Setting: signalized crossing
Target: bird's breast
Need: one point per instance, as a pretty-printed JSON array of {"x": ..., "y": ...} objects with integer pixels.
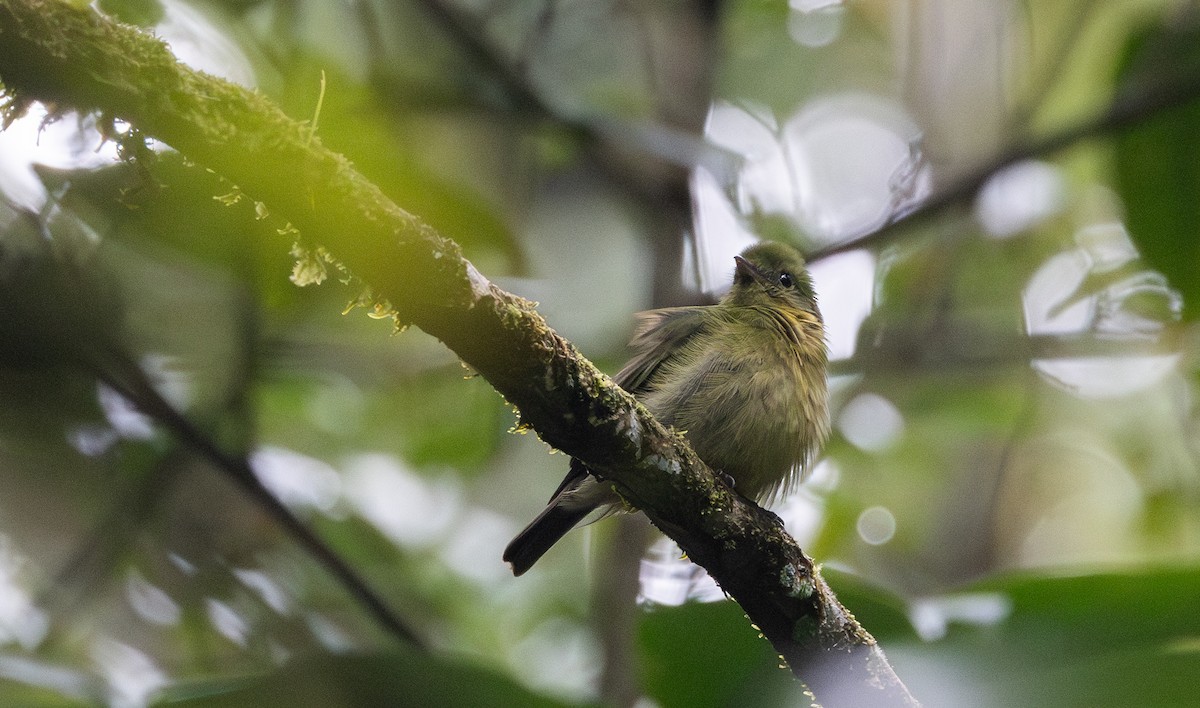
[{"x": 751, "y": 401}]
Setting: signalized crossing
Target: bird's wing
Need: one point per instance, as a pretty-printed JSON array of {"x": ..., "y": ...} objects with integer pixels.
[{"x": 659, "y": 336}]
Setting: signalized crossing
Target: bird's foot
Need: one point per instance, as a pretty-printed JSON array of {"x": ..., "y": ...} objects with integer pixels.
[
  {"x": 774, "y": 517},
  {"x": 731, "y": 483}
]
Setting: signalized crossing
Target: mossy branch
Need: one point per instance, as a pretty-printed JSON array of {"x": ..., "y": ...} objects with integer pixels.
[{"x": 72, "y": 57}]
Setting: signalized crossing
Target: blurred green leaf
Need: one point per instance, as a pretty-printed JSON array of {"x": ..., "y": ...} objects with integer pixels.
[
  {"x": 33, "y": 696},
  {"x": 1033, "y": 640},
  {"x": 409, "y": 158},
  {"x": 432, "y": 418},
  {"x": 1104, "y": 613},
  {"x": 57, "y": 302},
  {"x": 445, "y": 420},
  {"x": 143, "y": 13},
  {"x": 708, "y": 654},
  {"x": 882, "y": 612},
  {"x": 165, "y": 202},
  {"x": 1158, "y": 160},
  {"x": 397, "y": 678}
]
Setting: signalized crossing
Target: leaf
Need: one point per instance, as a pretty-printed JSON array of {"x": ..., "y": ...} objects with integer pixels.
[
  {"x": 166, "y": 204},
  {"x": 57, "y": 304},
  {"x": 143, "y": 13},
  {"x": 708, "y": 654},
  {"x": 1047, "y": 641},
  {"x": 416, "y": 164},
  {"x": 1158, "y": 160},
  {"x": 396, "y": 678},
  {"x": 35, "y": 696}
]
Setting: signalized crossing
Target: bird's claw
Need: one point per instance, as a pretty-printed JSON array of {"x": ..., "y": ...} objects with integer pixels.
[
  {"x": 731, "y": 483},
  {"x": 774, "y": 517}
]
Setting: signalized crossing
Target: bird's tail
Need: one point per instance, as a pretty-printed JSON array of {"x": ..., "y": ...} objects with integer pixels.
[{"x": 543, "y": 532}]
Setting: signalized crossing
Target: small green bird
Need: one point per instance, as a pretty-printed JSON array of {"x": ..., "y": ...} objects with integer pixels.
[{"x": 744, "y": 379}]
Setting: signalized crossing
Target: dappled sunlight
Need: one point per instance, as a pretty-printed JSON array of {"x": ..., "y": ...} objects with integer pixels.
[
  {"x": 91, "y": 439},
  {"x": 870, "y": 422},
  {"x": 408, "y": 509},
  {"x": 931, "y": 617},
  {"x": 227, "y": 621},
  {"x": 876, "y": 525},
  {"x": 845, "y": 294},
  {"x": 476, "y": 540},
  {"x": 331, "y": 635},
  {"x": 668, "y": 578},
  {"x": 839, "y": 166},
  {"x": 1020, "y": 197},
  {"x": 854, "y": 161},
  {"x": 21, "y": 622},
  {"x": 561, "y": 658},
  {"x": 72, "y": 142},
  {"x": 296, "y": 479},
  {"x": 815, "y": 23},
  {"x": 803, "y": 512},
  {"x": 132, "y": 676},
  {"x": 150, "y": 602},
  {"x": 266, "y": 587},
  {"x": 1099, "y": 287},
  {"x": 203, "y": 42}
]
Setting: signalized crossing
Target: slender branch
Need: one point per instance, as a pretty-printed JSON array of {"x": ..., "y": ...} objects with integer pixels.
[
  {"x": 649, "y": 163},
  {"x": 1127, "y": 109},
  {"x": 101, "y": 547},
  {"x": 974, "y": 348},
  {"x": 69, "y": 56},
  {"x": 471, "y": 39},
  {"x": 60, "y": 309},
  {"x": 651, "y": 174},
  {"x": 123, "y": 376}
]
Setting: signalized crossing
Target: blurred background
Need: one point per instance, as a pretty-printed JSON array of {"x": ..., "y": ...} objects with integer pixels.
[{"x": 1000, "y": 201}]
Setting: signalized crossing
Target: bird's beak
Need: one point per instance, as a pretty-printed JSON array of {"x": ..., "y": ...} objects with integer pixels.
[{"x": 746, "y": 269}]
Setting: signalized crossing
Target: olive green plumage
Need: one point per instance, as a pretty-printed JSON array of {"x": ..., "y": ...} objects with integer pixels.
[{"x": 743, "y": 379}]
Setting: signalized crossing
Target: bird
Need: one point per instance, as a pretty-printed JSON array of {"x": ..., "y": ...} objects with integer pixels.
[{"x": 744, "y": 380}]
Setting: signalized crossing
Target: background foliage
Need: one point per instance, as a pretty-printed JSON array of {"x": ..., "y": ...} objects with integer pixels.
[{"x": 1010, "y": 500}]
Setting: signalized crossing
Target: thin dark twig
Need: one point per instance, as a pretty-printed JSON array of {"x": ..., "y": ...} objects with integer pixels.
[
  {"x": 661, "y": 187},
  {"x": 132, "y": 385},
  {"x": 535, "y": 39},
  {"x": 102, "y": 546},
  {"x": 1126, "y": 110},
  {"x": 592, "y": 134},
  {"x": 470, "y": 39}
]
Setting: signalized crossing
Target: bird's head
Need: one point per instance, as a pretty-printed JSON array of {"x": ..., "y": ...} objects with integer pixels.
[{"x": 772, "y": 274}]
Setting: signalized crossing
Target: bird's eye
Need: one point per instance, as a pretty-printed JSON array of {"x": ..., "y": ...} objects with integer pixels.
[{"x": 785, "y": 279}]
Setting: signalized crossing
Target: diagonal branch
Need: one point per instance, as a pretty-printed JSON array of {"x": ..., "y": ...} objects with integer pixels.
[
  {"x": 127, "y": 379},
  {"x": 1127, "y": 109},
  {"x": 471, "y": 39},
  {"x": 68, "y": 56},
  {"x": 59, "y": 308}
]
